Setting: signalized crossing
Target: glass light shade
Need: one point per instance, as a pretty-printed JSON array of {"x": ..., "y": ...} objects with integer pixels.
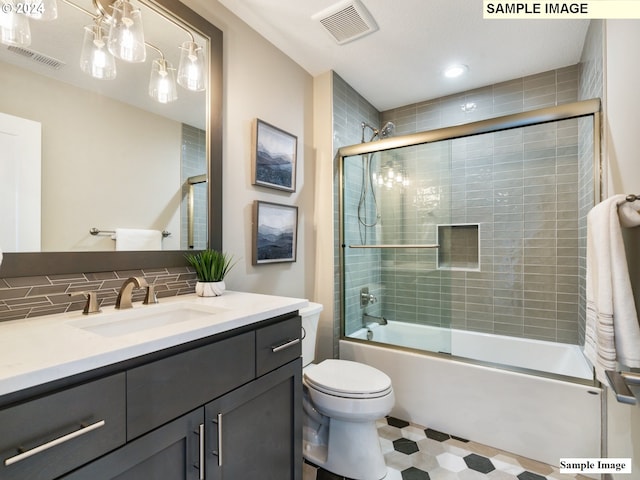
[
  {"x": 14, "y": 29},
  {"x": 43, "y": 9},
  {"x": 162, "y": 85},
  {"x": 95, "y": 58},
  {"x": 192, "y": 72},
  {"x": 126, "y": 36}
]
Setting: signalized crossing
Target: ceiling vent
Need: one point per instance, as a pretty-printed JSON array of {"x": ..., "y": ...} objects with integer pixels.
[
  {"x": 346, "y": 21},
  {"x": 37, "y": 57}
]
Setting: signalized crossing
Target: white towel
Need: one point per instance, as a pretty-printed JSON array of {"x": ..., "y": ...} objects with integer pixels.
[
  {"x": 138, "y": 239},
  {"x": 612, "y": 332}
]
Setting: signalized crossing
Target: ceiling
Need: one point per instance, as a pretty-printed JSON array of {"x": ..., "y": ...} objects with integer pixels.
[{"x": 402, "y": 62}]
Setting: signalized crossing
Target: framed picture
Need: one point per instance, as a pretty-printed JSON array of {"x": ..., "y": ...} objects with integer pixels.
[
  {"x": 275, "y": 233},
  {"x": 275, "y": 157}
]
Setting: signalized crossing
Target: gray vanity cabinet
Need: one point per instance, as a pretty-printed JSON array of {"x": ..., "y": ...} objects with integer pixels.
[
  {"x": 257, "y": 434},
  {"x": 47, "y": 436},
  {"x": 171, "y": 452},
  {"x": 229, "y": 409}
]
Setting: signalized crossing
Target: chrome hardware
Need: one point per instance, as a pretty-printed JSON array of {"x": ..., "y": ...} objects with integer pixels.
[
  {"x": 285, "y": 345},
  {"x": 366, "y": 298},
  {"x": 219, "y": 453},
  {"x": 202, "y": 451},
  {"x": 46, "y": 446},
  {"x": 126, "y": 291},
  {"x": 620, "y": 382},
  {"x": 92, "y": 302}
]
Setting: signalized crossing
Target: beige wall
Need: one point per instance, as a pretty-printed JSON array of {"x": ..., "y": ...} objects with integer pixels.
[
  {"x": 622, "y": 157},
  {"x": 261, "y": 82},
  {"x": 88, "y": 178},
  {"x": 323, "y": 221}
]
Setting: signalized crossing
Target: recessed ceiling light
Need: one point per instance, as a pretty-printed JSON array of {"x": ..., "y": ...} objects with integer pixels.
[{"x": 454, "y": 71}]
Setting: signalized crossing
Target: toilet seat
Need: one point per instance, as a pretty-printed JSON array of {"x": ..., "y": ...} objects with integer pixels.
[{"x": 347, "y": 379}]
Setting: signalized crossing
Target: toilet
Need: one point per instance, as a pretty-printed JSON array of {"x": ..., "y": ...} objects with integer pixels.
[{"x": 342, "y": 401}]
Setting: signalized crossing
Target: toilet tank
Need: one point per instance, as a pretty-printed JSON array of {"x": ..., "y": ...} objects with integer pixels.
[{"x": 310, "y": 317}]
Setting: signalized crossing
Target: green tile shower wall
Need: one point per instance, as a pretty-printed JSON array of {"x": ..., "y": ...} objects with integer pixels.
[
  {"x": 349, "y": 111},
  {"x": 478, "y": 300},
  {"x": 519, "y": 186}
]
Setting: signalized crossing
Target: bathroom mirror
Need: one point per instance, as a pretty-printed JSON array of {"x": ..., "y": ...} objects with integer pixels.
[{"x": 138, "y": 167}]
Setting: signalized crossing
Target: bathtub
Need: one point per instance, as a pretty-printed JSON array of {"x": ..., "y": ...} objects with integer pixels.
[{"x": 543, "y": 406}]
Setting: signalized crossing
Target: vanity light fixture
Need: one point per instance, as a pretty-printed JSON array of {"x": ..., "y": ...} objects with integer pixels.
[
  {"x": 14, "y": 27},
  {"x": 162, "y": 84},
  {"x": 454, "y": 71},
  {"x": 95, "y": 58},
  {"x": 14, "y": 19},
  {"x": 126, "y": 35},
  {"x": 192, "y": 73}
]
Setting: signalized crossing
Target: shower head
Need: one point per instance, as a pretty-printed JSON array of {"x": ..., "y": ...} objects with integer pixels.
[{"x": 386, "y": 131}]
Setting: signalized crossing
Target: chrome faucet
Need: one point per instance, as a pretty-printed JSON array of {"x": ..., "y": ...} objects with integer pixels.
[{"x": 126, "y": 292}]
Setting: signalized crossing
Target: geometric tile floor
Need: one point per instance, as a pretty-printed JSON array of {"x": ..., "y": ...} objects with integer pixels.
[{"x": 413, "y": 452}]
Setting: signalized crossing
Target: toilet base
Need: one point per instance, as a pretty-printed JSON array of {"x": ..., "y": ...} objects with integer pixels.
[{"x": 353, "y": 451}]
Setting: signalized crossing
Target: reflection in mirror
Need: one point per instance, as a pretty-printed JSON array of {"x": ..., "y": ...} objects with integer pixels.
[{"x": 121, "y": 139}]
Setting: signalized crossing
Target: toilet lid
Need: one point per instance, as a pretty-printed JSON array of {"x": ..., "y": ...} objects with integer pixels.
[{"x": 348, "y": 379}]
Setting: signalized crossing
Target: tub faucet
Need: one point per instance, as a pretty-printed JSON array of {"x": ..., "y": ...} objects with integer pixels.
[
  {"x": 366, "y": 319},
  {"x": 126, "y": 292}
]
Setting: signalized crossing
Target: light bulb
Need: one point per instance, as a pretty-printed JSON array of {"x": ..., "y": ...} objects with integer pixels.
[
  {"x": 95, "y": 59},
  {"x": 192, "y": 67},
  {"x": 126, "y": 36}
]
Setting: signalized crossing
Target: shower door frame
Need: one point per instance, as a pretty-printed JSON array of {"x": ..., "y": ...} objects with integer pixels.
[{"x": 566, "y": 111}]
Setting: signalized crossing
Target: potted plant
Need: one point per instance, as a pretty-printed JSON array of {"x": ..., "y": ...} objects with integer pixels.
[{"x": 211, "y": 267}]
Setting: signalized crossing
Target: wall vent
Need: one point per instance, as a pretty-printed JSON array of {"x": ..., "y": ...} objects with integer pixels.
[
  {"x": 346, "y": 21},
  {"x": 37, "y": 57}
]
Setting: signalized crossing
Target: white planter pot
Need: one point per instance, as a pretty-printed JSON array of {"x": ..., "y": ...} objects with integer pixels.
[{"x": 210, "y": 289}]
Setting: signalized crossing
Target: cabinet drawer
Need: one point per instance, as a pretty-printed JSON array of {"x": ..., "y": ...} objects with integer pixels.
[
  {"x": 278, "y": 344},
  {"x": 165, "y": 389},
  {"x": 51, "y": 435}
]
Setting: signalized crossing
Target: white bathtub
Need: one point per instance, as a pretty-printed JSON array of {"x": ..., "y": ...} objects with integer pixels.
[
  {"x": 543, "y": 356},
  {"x": 538, "y": 417}
]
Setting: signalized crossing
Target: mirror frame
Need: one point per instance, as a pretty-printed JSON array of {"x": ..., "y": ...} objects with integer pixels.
[{"x": 55, "y": 263}]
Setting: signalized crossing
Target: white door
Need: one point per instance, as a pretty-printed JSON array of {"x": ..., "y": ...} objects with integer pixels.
[{"x": 20, "y": 170}]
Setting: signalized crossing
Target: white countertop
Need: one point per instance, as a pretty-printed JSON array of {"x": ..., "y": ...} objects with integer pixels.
[{"x": 42, "y": 349}]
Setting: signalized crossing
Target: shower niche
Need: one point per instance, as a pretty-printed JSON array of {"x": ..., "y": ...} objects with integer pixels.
[{"x": 459, "y": 247}]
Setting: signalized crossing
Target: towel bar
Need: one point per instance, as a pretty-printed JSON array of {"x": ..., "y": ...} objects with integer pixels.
[
  {"x": 396, "y": 246},
  {"x": 620, "y": 382},
  {"x": 95, "y": 231},
  {"x": 632, "y": 197}
]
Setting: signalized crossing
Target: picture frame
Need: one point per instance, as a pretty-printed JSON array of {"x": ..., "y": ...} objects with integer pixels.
[
  {"x": 275, "y": 157},
  {"x": 275, "y": 233}
]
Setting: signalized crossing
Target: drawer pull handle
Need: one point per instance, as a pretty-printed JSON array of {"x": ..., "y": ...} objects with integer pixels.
[
  {"x": 219, "y": 422},
  {"x": 53, "y": 443},
  {"x": 202, "y": 452},
  {"x": 288, "y": 344}
]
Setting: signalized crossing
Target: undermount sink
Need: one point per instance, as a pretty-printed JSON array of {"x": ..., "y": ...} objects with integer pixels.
[{"x": 138, "y": 319}]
